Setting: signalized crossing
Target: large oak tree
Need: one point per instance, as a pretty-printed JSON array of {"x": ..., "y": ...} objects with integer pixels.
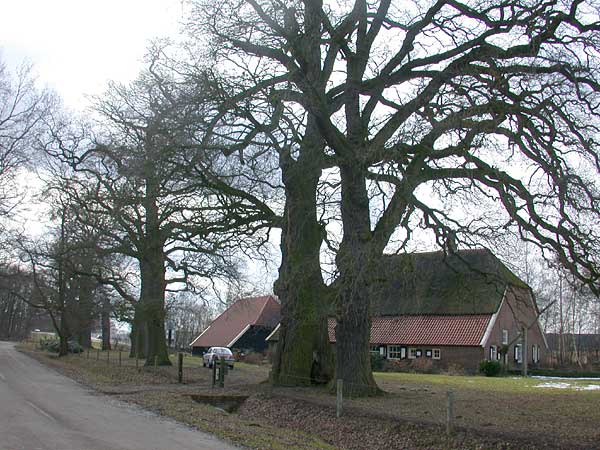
[{"x": 434, "y": 102}]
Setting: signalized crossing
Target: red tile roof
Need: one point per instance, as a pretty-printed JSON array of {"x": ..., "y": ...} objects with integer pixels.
[
  {"x": 264, "y": 311},
  {"x": 463, "y": 330}
]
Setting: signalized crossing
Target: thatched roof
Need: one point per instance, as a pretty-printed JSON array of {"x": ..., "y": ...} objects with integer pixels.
[{"x": 464, "y": 282}]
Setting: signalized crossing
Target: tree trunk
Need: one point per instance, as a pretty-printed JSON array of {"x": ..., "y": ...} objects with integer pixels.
[
  {"x": 152, "y": 271},
  {"x": 85, "y": 310},
  {"x": 304, "y": 353},
  {"x": 138, "y": 333},
  {"x": 152, "y": 308},
  {"x": 105, "y": 320},
  {"x": 63, "y": 335},
  {"x": 353, "y": 330},
  {"x": 153, "y": 312}
]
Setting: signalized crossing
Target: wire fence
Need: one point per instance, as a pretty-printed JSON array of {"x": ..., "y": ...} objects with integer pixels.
[
  {"x": 348, "y": 398},
  {"x": 449, "y": 407}
]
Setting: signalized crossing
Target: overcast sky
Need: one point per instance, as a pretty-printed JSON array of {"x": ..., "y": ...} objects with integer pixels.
[{"x": 76, "y": 46}]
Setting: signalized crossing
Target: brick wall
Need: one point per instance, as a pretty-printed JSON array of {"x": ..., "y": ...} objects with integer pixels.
[{"x": 517, "y": 310}]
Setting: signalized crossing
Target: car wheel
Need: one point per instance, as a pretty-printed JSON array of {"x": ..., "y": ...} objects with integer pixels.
[{"x": 203, "y": 363}]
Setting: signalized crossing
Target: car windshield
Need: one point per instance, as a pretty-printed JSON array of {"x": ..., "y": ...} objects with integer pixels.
[{"x": 223, "y": 351}]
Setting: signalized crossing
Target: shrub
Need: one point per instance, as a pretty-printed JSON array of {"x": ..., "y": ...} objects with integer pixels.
[
  {"x": 376, "y": 362},
  {"x": 252, "y": 358},
  {"x": 75, "y": 347},
  {"x": 53, "y": 345},
  {"x": 422, "y": 365},
  {"x": 490, "y": 368},
  {"x": 455, "y": 370},
  {"x": 396, "y": 365}
]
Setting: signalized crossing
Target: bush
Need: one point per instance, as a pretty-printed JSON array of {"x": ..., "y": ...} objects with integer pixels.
[
  {"x": 396, "y": 365},
  {"x": 252, "y": 358},
  {"x": 75, "y": 347},
  {"x": 455, "y": 370},
  {"x": 422, "y": 365},
  {"x": 376, "y": 362},
  {"x": 53, "y": 345},
  {"x": 490, "y": 368}
]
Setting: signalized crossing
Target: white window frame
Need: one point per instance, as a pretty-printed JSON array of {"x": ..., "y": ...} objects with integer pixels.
[
  {"x": 535, "y": 353},
  {"x": 412, "y": 353},
  {"x": 439, "y": 353},
  {"x": 504, "y": 337},
  {"x": 397, "y": 350},
  {"x": 518, "y": 353},
  {"x": 493, "y": 353},
  {"x": 428, "y": 353}
]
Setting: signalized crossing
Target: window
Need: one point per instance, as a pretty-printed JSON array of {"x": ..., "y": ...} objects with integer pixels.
[
  {"x": 419, "y": 353},
  {"x": 504, "y": 337},
  {"x": 518, "y": 353},
  {"x": 374, "y": 349},
  {"x": 428, "y": 353},
  {"x": 535, "y": 353},
  {"x": 493, "y": 353},
  {"x": 437, "y": 354},
  {"x": 396, "y": 352},
  {"x": 412, "y": 353}
]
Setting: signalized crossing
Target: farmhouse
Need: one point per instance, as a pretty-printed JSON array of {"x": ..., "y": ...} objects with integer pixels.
[
  {"x": 451, "y": 309},
  {"x": 243, "y": 326}
]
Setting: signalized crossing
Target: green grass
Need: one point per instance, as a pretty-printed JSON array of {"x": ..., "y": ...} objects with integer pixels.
[
  {"x": 196, "y": 362},
  {"x": 514, "y": 385}
]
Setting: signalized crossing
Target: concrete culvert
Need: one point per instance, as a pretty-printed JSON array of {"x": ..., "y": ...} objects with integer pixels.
[{"x": 228, "y": 403}]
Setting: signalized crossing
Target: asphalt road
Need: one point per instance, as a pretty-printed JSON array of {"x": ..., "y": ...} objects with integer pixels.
[{"x": 40, "y": 409}]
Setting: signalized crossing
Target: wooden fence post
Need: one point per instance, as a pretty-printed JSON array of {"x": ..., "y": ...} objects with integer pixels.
[
  {"x": 222, "y": 373},
  {"x": 108, "y": 357},
  {"x": 449, "y": 412},
  {"x": 214, "y": 373},
  {"x": 180, "y": 367},
  {"x": 88, "y": 353},
  {"x": 339, "y": 398}
]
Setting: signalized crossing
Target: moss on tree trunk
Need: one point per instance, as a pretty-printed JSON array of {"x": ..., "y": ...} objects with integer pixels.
[
  {"x": 304, "y": 354},
  {"x": 355, "y": 264}
]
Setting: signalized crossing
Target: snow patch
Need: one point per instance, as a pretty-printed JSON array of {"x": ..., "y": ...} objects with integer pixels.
[
  {"x": 589, "y": 387},
  {"x": 557, "y": 385},
  {"x": 538, "y": 377},
  {"x": 553, "y": 385}
]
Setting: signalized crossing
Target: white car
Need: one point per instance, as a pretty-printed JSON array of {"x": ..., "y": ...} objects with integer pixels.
[{"x": 214, "y": 354}]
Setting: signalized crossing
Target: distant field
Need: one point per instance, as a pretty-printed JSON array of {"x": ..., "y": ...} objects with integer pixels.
[{"x": 41, "y": 335}]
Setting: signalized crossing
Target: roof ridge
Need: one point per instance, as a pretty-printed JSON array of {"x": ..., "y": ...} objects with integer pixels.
[
  {"x": 267, "y": 298},
  {"x": 231, "y": 306}
]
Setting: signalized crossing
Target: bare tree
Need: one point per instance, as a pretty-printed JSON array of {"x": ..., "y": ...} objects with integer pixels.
[
  {"x": 22, "y": 109},
  {"x": 16, "y": 315},
  {"x": 435, "y": 104},
  {"x": 187, "y": 317},
  {"x": 148, "y": 184}
]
